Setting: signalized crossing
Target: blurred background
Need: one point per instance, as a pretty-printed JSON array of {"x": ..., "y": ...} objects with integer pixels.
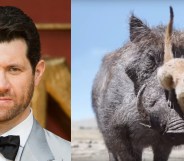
[{"x": 51, "y": 101}]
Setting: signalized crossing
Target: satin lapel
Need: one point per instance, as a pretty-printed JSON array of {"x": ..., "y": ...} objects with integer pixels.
[
  {"x": 27, "y": 155},
  {"x": 37, "y": 148}
]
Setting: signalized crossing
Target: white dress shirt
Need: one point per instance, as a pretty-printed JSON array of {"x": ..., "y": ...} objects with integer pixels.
[{"x": 22, "y": 130}]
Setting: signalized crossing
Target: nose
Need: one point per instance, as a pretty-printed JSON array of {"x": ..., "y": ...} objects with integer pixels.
[{"x": 4, "y": 84}]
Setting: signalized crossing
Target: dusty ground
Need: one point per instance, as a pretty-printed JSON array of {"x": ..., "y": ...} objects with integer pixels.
[{"x": 88, "y": 145}]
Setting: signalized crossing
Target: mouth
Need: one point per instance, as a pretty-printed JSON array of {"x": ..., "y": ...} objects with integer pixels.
[{"x": 5, "y": 99}]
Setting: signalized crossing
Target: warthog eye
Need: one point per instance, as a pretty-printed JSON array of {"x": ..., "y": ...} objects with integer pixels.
[
  {"x": 155, "y": 58},
  {"x": 150, "y": 62},
  {"x": 151, "y": 58}
]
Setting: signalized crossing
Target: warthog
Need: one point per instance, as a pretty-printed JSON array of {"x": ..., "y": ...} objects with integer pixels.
[{"x": 138, "y": 93}]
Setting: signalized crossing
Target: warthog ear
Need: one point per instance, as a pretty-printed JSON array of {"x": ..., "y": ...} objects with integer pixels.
[{"x": 138, "y": 29}]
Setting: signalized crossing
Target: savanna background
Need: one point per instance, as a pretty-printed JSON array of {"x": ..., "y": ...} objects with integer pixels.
[{"x": 100, "y": 27}]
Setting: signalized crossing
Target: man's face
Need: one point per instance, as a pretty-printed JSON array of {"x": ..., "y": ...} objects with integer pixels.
[{"x": 16, "y": 79}]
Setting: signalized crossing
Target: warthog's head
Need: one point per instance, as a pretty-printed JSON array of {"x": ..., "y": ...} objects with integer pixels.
[{"x": 158, "y": 74}]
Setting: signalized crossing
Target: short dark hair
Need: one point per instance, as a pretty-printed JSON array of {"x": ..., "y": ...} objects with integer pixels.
[{"x": 14, "y": 23}]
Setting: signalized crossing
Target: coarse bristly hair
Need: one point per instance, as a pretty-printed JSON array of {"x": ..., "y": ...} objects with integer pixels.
[{"x": 126, "y": 83}]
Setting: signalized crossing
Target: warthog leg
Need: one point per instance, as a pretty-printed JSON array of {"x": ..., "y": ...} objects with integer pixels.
[{"x": 161, "y": 153}]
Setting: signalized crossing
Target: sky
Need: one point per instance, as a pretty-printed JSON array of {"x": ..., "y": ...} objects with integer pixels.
[{"x": 100, "y": 27}]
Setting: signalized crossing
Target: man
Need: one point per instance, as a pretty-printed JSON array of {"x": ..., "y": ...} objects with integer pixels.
[{"x": 22, "y": 138}]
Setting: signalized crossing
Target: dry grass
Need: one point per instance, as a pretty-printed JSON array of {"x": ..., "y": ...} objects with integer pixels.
[{"x": 88, "y": 145}]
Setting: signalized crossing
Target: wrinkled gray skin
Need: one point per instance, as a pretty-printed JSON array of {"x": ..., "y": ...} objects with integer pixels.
[{"x": 114, "y": 95}]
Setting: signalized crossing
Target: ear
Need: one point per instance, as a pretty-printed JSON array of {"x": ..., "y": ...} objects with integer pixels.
[
  {"x": 39, "y": 70},
  {"x": 138, "y": 29}
]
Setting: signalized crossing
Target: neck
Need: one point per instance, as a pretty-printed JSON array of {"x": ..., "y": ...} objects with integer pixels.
[{"x": 8, "y": 125}]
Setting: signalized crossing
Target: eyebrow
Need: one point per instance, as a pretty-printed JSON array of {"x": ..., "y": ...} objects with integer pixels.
[{"x": 15, "y": 65}]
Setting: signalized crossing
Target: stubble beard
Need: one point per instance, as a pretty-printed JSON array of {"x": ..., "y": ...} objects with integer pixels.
[{"x": 18, "y": 107}]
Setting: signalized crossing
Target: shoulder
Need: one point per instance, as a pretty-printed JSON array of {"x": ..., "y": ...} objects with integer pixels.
[{"x": 58, "y": 146}]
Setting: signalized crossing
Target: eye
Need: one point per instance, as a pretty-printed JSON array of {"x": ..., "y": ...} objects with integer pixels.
[
  {"x": 150, "y": 63},
  {"x": 151, "y": 58},
  {"x": 14, "y": 70}
]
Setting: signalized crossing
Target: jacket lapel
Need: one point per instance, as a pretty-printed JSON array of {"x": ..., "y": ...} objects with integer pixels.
[{"x": 37, "y": 148}]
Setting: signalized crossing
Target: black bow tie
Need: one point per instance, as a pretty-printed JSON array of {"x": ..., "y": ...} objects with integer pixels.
[{"x": 9, "y": 146}]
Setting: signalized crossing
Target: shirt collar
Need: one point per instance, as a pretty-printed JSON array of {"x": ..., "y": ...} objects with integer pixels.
[{"x": 22, "y": 130}]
